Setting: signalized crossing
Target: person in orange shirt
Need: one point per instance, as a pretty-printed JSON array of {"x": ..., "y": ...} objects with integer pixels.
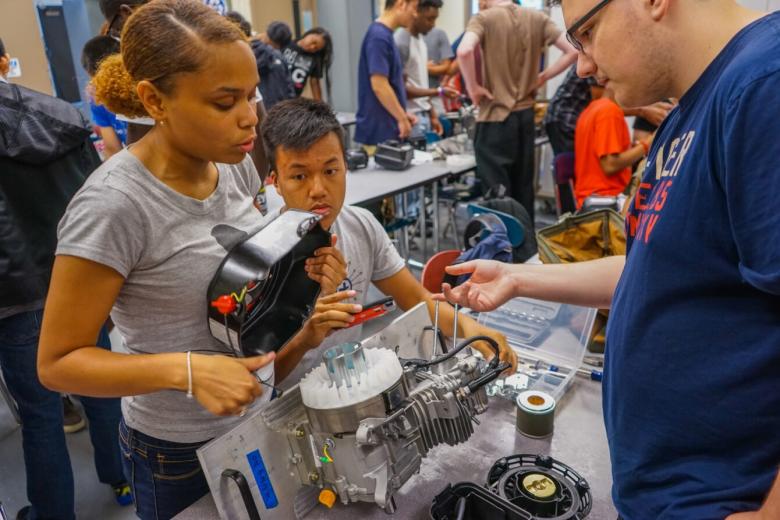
[{"x": 603, "y": 154}]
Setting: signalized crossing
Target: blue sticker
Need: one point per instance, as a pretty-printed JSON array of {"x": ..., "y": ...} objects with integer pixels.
[{"x": 263, "y": 480}]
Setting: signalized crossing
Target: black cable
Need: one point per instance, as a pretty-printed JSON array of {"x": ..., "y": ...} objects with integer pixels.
[
  {"x": 237, "y": 354},
  {"x": 487, "y": 377},
  {"x": 230, "y": 340},
  {"x": 444, "y": 357}
]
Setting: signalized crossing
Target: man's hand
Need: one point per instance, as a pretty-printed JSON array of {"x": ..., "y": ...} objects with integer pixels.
[
  {"x": 436, "y": 126},
  {"x": 491, "y": 284},
  {"x": 655, "y": 113},
  {"x": 404, "y": 127},
  {"x": 480, "y": 93},
  {"x": 450, "y": 92},
  {"x": 329, "y": 314},
  {"x": 506, "y": 354},
  {"x": 327, "y": 267}
]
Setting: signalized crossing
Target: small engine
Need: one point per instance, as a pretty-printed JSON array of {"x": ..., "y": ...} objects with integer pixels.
[
  {"x": 355, "y": 429},
  {"x": 371, "y": 422}
]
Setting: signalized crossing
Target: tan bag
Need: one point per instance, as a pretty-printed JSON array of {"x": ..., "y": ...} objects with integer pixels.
[
  {"x": 588, "y": 236},
  {"x": 577, "y": 238}
]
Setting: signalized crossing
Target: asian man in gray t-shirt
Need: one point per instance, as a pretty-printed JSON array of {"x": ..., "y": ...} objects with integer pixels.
[{"x": 304, "y": 143}]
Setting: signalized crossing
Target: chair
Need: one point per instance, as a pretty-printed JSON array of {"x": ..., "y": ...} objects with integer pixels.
[
  {"x": 514, "y": 228},
  {"x": 451, "y": 196},
  {"x": 433, "y": 271},
  {"x": 563, "y": 168}
]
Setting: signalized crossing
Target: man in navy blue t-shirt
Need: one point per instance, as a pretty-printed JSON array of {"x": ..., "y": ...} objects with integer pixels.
[
  {"x": 692, "y": 375},
  {"x": 381, "y": 111}
]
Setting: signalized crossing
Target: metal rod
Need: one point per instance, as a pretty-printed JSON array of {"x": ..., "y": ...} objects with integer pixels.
[
  {"x": 423, "y": 224},
  {"x": 455, "y": 327},
  {"x": 435, "y": 196},
  {"x": 435, "y": 328},
  {"x": 405, "y": 228}
]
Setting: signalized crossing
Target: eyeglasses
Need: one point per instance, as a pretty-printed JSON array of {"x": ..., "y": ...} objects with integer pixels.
[{"x": 572, "y": 31}]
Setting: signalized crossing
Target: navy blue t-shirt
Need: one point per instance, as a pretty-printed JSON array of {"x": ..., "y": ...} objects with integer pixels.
[
  {"x": 692, "y": 378},
  {"x": 378, "y": 55}
]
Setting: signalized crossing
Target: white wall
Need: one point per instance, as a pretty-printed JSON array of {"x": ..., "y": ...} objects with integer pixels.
[
  {"x": 452, "y": 18},
  {"x": 553, "y": 53}
]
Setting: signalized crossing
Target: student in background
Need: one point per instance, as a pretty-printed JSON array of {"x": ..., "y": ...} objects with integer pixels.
[
  {"x": 440, "y": 56},
  {"x": 275, "y": 84},
  {"x": 381, "y": 113},
  {"x": 112, "y": 131},
  {"x": 512, "y": 40},
  {"x": 565, "y": 109},
  {"x": 414, "y": 57},
  {"x": 45, "y": 157},
  {"x": 308, "y": 60},
  {"x": 603, "y": 154},
  {"x": 278, "y": 35}
]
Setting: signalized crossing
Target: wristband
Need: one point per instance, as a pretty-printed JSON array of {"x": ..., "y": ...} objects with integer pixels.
[
  {"x": 189, "y": 374},
  {"x": 440, "y": 90}
]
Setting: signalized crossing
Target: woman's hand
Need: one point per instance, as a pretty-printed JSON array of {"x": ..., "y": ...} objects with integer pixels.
[
  {"x": 226, "y": 385},
  {"x": 327, "y": 267}
]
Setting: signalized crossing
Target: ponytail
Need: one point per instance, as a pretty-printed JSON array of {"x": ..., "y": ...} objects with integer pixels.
[{"x": 115, "y": 89}]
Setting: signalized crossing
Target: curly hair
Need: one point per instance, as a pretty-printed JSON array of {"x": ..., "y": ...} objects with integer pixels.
[{"x": 160, "y": 40}]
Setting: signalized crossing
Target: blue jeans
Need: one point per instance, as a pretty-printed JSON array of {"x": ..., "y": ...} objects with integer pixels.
[
  {"x": 46, "y": 459},
  {"x": 165, "y": 476}
]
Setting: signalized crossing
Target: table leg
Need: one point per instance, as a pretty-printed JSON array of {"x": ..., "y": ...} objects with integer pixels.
[
  {"x": 423, "y": 225},
  {"x": 405, "y": 229},
  {"x": 435, "y": 200}
]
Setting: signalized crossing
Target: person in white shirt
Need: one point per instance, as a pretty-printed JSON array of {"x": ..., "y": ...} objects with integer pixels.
[{"x": 414, "y": 56}]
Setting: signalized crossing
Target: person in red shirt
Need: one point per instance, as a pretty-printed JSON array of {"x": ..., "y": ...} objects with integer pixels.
[{"x": 603, "y": 154}]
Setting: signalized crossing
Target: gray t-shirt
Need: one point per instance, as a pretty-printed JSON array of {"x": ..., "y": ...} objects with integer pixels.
[
  {"x": 439, "y": 49},
  {"x": 414, "y": 56},
  {"x": 370, "y": 256},
  {"x": 168, "y": 247}
]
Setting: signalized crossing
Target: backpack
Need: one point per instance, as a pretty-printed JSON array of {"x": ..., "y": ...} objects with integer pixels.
[
  {"x": 487, "y": 236},
  {"x": 510, "y": 206}
]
